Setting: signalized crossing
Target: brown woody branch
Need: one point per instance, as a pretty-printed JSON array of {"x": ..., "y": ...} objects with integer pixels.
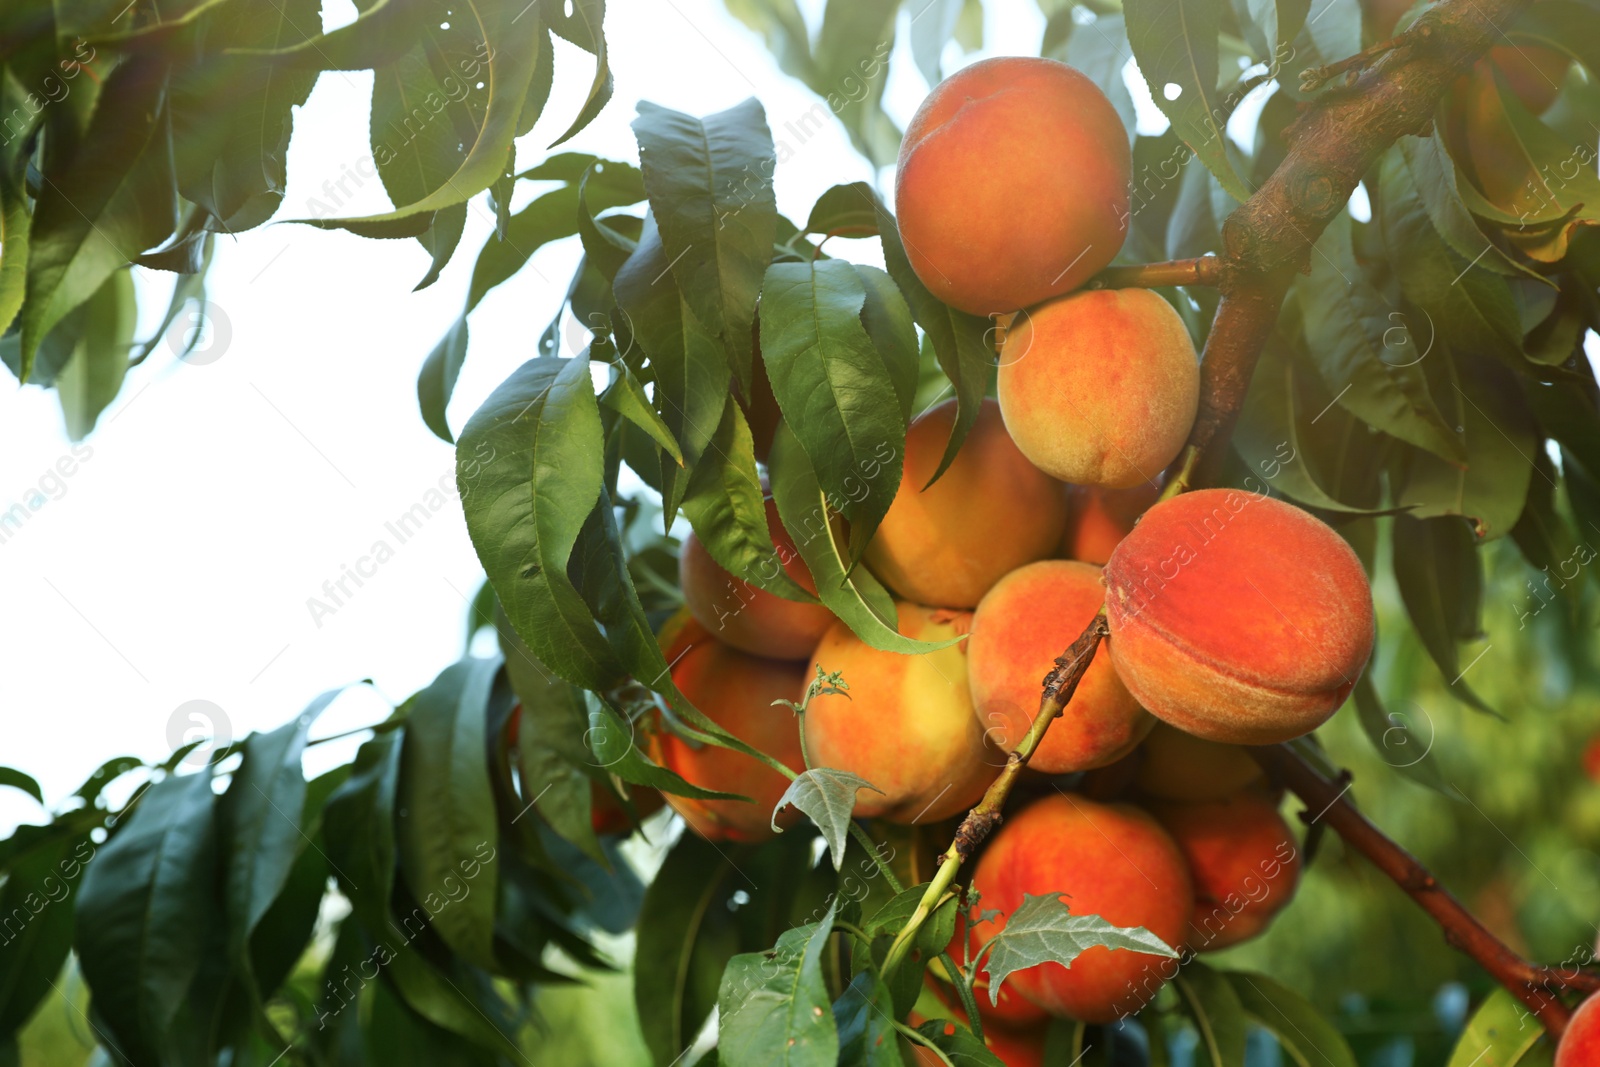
[
  {"x": 1533, "y": 984},
  {"x": 1334, "y": 142}
]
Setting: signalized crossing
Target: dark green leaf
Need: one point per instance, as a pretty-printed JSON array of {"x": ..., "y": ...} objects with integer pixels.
[
  {"x": 833, "y": 388},
  {"x": 627, "y": 398},
  {"x": 1433, "y": 174},
  {"x": 931, "y": 939},
  {"x": 1209, "y": 1000},
  {"x": 710, "y": 186},
  {"x": 551, "y": 753},
  {"x": 529, "y": 464},
  {"x": 37, "y": 903},
  {"x": 864, "y": 1015},
  {"x": 893, "y": 335},
  {"x": 105, "y": 774},
  {"x": 847, "y": 209},
  {"x": 10, "y": 776},
  {"x": 447, "y": 834},
  {"x": 1436, "y": 567},
  {"x": 359, "y": 827},
  {"x": 1402, "y": 741},
  {"x": 143, "y": 910},
  {"x": 961, "y": 1045},
  {"x": 611, "y": 738},
  {"x": 1308, "y": 1038}
]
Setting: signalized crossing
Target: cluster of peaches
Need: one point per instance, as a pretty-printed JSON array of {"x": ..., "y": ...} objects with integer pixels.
[{"x": 1235, "y": 619}]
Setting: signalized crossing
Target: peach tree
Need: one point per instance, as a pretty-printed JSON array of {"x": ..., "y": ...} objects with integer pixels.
[{"x": 1397, "y": 382}]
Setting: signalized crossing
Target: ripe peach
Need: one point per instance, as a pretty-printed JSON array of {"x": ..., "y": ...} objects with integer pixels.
[
  {"x": 1110, "y": 860},
  {"x": 991, "y": 512},
  {"x": 734, "y": 690},
  {"x": 907, "y": 724},
  {"x": 1237, "y": 617},
  {"x": 1580, "y": 1045},
  {"x": 1012, "y": 185},
  {"x": 1244, "y": 862},
  {"x": 1180, "y": 766},
  {"x": 1098, "y": 519},
  {"x": 751, "y": 619},
  {"x": 1021, "y": 626},
  {"x": 1100, "y": 388}
]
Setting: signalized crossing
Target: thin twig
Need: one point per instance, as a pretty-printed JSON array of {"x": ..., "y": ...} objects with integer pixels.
[{"x": 1202, "y": 270}]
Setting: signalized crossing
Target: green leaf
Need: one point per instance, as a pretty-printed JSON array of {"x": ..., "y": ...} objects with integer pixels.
[
  {"x": 833, "y": 387},
  {"x": 1177, "y": 45},
  {"x": 960, "y": 343},
  {"x": 1101, "y": 53},
  {"x": 864, "y": 1016},
  {"x": 889, "y": 326},
  {"x": 551, "y": 754},
  {"x": 688, "y": 360},
  {"x": 358, "y": 825},
  {"x": 14, "y": 224},
  {"x": 38, "y": 890},
  {"x": 1436, "y": 567},
  {"x": 1546, "y": 540},
  {"x": 1497, "y": 438},
  {"x": 512, "y": 46},
  {"x": 583, "y": 28},
  {"x": 1433, "y": 175},
  {"x": 932, "y": 26},
  {"x": 447, "y": 833},
  {"x": 437, "y": 380},
  {"x": 1209, "y": 999},
  {"x": 262, "y": 816},
  {"x": 828, "y": 796},
  {"x": 10, "y": 776},
  {"x": 851, "y": 70},
  {"x": 774, "y": 1007},
  {"x": 1308, "y": 1038},
  {"x": 1359, "y": 343},
  {"x": 627, "y": 398},
  {"x": 851, "y": 209},
  {"x": 1397, "y": 739},
  {"x": 931, "y": 938},
  {"x": 1501, "y": 1033},
  {"x": 710, "y": 186},
  {"x": 93, "y": 374},
  {"x": 961, "y": 1045},
  {"x": 92, "y": 217},
  {"x": 189, "y": 287},
  {"x": 530, "y": 467},
  {"x": 611, "y": 738},
  {"x": 104, "y": 775},
  {"x": 382, "y": 31},
  {"x": 1043, "y": 930},
  {"x": 727, "y": 508},
  {"x": 143, "y": 910},
  {"x": 808, "y": 515}
]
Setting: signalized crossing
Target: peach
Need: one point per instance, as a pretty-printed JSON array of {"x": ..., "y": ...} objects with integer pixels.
[
  {"x": 906, "y": 725},
  {"x": 1580, "y": 1045},
  {"x": 1021, "y": 626},
  {"x": 1111, "y": 860},
  {"x": 1237, "y": 617},
  {"x": 990, "y": 512},
  {"x": 1244, "y": 862},
  {"x": 1012, "y": 185},
  {"x": 751, "y": 619},
  {"x": 734, "y": 690},
  {"x": 1180, "y": 766},
  {"x": 1100, "y": 388},
  {"x": 1098, "y": 519}
]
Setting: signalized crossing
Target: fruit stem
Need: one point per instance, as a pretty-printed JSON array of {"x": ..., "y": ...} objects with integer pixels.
[
  {"x": 1202, "y": 270},
  {"x": 1183, "y": 475},
  {"x": 1059, "y": 685},
  {"x": 1533, "y": 984}
]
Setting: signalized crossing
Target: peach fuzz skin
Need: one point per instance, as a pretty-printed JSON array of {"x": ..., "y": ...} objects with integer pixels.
[
  {"x": 1111, "y": 860},
  {"x": 1580, "y": 1045},
  {"x": 1020, "y": 627},
  {"x": 734, "y": 690},
  {"x": 989, "y": 513},
  {"x": 906, "y": 725},
  {"x": 1180, "y": 766},
  {"x": 1100, "y": 388},
  {"x": 1098, "y": 519},
  {"x": 750, "y": 619},
  {"x": 1012, "y": 185},
  {"x": 1236, "y": 617},
  {"x": 1244, "y": 861}
]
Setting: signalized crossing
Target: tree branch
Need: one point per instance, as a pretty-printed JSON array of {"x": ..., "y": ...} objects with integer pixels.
[
  {"x": 1533, "y": 984},
  {"x": 1332, "y": 145},
  {"x": 1202, "y": 270}
]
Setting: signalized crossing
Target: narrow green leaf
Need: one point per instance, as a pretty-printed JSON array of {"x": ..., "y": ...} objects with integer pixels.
[
  {"x": 852, "y": 210},
  {"x": 93, "y": 374},
  {"x": 14, "y": 224},
  {"x": 447, "y": 834},
  {"x": 1401, "y": 741},
  {"x": 613, "y": 741},
  {"x": 359, "y": 827},
  {"x": 1308, "y": 1038},
  {"x": 37, "y": 901},
  {"x": 1436, "y": 567},
  {"x": 1433, "y": 174},
  {"x": 890, "y": 328},
  {"x": 627, "y": 398},
  {"x": 1501, "y": 1033},
  {"x": 1210, "y": 1001},
  {"x": 583, "y": 27},
  {"x": 958, "y": 1043},
  {"x": 864, "y": 1015},
  {"x": 437, "y": 380},
  {"x": 10, "y": 776},
  {"x": 710, "y": 186}
]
